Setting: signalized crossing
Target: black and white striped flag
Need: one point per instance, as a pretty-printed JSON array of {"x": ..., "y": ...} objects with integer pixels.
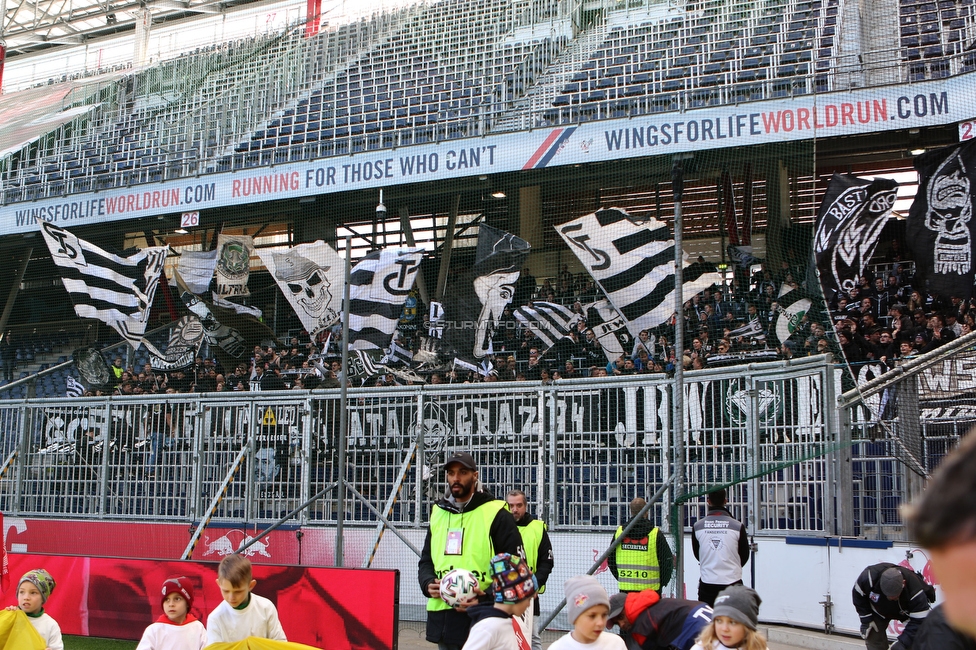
[
  {"x": 751, "y": 330},
  {"x": 73, "y": 387},
  {"x": 610, "y": 329},
  {"x": 379, "y": 285},
  {"x": 548, "y": 321},
  {"x": 113, "y": 289},
  {"x": 634, "y": 265},
  {"x": 365, "y": 363},
  {"x": 397, "y": 354}
]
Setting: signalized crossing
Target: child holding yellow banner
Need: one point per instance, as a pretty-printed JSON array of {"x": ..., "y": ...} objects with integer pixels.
[
  {"x": 16, "y": 632},
  {"x": 33, "y": 590}
]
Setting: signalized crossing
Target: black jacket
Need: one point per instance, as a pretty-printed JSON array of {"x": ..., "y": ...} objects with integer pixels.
[
  {"x": 449, "y": 625},
  {"x": 665, "y": 558},
  {"x": 911, "y": 607},
  {"x": 656, "y": 622},
  {"x": 936, "y": 634}
]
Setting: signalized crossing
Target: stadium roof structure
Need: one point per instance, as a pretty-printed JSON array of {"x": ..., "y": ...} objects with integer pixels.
[{"x": 31, "y": 26}]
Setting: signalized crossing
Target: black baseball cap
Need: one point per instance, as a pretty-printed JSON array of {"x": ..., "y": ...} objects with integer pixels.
[
  {"x": 617, "y": 603},
  {"x": 463, "y": 458}
]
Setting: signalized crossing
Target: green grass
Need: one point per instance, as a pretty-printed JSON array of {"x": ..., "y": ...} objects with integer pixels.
[{"x": 92, "y": 643}]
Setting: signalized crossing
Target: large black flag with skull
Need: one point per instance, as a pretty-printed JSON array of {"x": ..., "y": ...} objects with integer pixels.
[
  {"x": 474, "y": 304},
  {"x": 311, "y": 277},
  {"x": 940, "y": 227}
]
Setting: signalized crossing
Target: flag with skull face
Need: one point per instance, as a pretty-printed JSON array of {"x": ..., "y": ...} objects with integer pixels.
[
  {"x": 474, "y": 304},
  {"x": 940, "y": 230},
  {"x": 310, "y": 276}
]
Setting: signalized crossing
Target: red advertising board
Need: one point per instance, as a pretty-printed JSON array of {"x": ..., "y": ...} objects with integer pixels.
[
  {"x": 165, "y": 541},
  {"x": 103, "y": 538},
  {"x": 354, "y": 609}
]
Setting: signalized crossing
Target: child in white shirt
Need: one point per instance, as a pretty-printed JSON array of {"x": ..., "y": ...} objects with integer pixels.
[
  {"x": 243, "y": 613},
  {"x": 177, "y": 628},
  {"x": 501, "y": 625},
  {"x": 33, "y": 590},
  {"x": 587, "y": 606}
]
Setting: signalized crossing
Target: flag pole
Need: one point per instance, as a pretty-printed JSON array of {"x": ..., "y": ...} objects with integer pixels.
[
  {"x": 343, "y": 407},
  {"x": 678, "y": 420}
]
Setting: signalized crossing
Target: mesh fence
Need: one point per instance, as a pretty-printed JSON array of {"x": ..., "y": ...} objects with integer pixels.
[{"x": 580, "y": 451}]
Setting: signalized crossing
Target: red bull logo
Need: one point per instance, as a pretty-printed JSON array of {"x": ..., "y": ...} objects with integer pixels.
[
  {"x": 603, "y": 567},
  {"x": 224, "y": 545}
]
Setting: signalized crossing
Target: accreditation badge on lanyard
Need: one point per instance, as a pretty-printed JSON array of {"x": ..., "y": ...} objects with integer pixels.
[{"x": 455, "y": 541}]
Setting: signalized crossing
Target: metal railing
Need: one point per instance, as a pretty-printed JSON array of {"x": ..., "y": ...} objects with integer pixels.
[
  {"x": 581, "y": 450},
  {"x": 903, "y": 422}
]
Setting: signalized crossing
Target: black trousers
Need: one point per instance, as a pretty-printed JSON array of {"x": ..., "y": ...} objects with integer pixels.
[{"x": 708, "y": 593}]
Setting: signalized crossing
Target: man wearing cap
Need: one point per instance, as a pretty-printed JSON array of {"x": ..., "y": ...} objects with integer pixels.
[
  {"x": 648, "y": 621},
  {"x": 467, "y": 528},
  {"x": 643, "y": 559},
  {"x": 885, "y": 592}
]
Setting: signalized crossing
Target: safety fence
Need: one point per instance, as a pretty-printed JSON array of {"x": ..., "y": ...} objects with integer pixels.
[
  {"x": 903, "y": 421},
  {"x": 581, "y": 450}
]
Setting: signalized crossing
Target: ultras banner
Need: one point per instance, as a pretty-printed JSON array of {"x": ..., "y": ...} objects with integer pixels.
[
  {"x": 940, "y": 230},
  {"x": 119, "y": 598},
  {"x": 852, "y": 215}
]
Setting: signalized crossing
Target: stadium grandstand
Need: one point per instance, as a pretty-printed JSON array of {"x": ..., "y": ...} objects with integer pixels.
[{"x": 531, "y": 166}]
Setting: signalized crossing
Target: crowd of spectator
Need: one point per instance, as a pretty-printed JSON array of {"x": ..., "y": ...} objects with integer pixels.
[
  {"x": 294, "y": 367},
  {"x": 883, "y": 319},
  {"x": 887, "y": 318},
  {"x": 710, "y": 320}
]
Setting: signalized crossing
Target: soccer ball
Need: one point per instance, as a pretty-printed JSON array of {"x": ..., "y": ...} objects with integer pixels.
[{"x": 457, "y": 585}]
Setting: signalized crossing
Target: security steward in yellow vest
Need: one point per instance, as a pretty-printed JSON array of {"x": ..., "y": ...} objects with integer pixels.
[
  {"x": 538, "y": 549},
  {"x": 643, "y": 560},
  {"x": 467, "y": 528}
]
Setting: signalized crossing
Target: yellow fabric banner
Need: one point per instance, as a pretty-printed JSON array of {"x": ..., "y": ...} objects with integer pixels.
[
  {"x": 17, "y": 633},
  {"x": 254, "y": 643}
]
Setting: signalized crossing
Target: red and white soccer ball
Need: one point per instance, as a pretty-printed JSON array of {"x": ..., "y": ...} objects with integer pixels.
[{"x": 457, "y": 585}]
